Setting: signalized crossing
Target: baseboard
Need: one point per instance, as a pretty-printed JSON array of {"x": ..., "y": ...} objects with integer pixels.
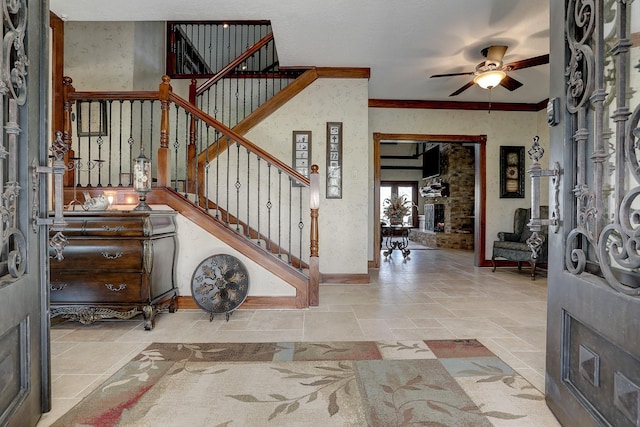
[
  {"x": 507, "y": 263},
  {"x": 251, "y": 303},
  {"x": 346, "y": 279}
]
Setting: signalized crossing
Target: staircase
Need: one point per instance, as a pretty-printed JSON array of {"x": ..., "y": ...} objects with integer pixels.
[{"x": 202, "y": 167}]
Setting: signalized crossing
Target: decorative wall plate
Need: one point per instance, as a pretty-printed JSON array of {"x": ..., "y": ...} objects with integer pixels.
[{"x": 220, "y": 284}]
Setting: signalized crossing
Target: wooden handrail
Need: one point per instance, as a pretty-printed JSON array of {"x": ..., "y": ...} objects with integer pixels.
[
  {"x": 165, "y": 95},
  {"x": 233, "y": 64},
  {"x": 114, "y": 96},
  {"x": 205, "y": 118}
]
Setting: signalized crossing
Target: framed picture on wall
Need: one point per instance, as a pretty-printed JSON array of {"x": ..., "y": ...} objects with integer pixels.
[
  {"x": 301, "y": 153},
  {"x": 511, "y": 172},
  {"x": 92, "y": 118},
  {"x": 334, "y": 160}
]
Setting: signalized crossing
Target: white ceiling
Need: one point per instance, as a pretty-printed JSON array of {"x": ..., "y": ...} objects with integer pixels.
[{"x": 402, "y": 42}]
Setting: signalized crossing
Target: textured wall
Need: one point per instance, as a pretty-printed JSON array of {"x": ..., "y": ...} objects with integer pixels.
[
  {"x": 99, "y": 55},
  {"x": 343, "y": 224}
]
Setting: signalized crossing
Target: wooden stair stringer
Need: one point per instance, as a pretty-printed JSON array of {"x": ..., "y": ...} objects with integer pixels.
[
  {"x": 240, "y": 243},
  {"x": 280, "y": 99}
]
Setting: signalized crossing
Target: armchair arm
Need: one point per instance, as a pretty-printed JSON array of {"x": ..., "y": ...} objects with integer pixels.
[{"x": 508, "y": 237}]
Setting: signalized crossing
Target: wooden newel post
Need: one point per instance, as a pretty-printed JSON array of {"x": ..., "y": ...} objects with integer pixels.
[
  {"x": 164, "y": 155},
  {"x": 67, "y": 130},
  {"x": 314, "y": 260}
]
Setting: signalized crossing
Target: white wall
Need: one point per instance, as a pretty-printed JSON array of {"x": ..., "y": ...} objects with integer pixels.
[
  {"x": 343, "y": 228},
  {"x": 195, "y": 244},
  {"x": 100, "y": 55}
]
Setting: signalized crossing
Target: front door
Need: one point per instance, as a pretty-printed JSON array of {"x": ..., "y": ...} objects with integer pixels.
[
  {"x": 593, "y": 324},
  {"x": 24, "y": 351}
]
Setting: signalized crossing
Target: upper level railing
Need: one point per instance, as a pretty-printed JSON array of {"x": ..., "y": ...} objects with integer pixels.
[
  {"x": 204, "y": 49},
  {"x": 233, "y": 66},
  {"x": 256, "y": 195}
]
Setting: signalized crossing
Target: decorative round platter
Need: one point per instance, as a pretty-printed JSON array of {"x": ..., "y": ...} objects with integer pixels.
[{"x": 220, "y": 284}]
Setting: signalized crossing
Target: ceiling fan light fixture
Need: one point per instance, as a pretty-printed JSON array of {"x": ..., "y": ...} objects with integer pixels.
[{"x": 489, "y": 79}]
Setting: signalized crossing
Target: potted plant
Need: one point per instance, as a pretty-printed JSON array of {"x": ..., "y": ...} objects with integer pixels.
[{"x": 396, "y": 208}]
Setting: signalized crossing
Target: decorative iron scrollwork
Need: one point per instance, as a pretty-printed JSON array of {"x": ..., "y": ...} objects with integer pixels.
[
  {"x": 605, "y": 238},
  {"x": 58, "y": 241},
  {"x": 535, "y": 241}
]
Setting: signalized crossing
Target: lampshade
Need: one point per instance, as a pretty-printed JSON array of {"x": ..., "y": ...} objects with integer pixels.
[
  {"x": 314, "y": 191},
  {"x": 489, "y": 79}
]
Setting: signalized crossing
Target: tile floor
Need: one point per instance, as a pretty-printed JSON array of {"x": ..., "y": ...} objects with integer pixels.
[{"x": 437, "y": 294}]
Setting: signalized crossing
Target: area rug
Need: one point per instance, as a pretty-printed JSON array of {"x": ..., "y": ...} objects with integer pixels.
[{"x": 362, "y": 383}]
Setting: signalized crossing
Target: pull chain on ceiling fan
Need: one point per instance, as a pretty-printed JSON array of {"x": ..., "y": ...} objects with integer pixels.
[{"x": 492, "y": 72}]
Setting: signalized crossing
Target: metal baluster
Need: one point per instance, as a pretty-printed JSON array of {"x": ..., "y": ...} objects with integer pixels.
[
  {"x": 238, "y": 186},
  {"x": 248, "y": 192},
  {"x": 237, "y": 101},
  {"x": 187, "y": 123},
  {"x": 217, "y": 174},
  {"x": 300, "y": 227},
  {"x": 199, "y": 150},
  {"x": 151, "y": 138},
  {"x": 206, "y": 173},
  {"x": 279, "y": 214},
  {"x": 99, "y": 142},
  {"x": 131, "y": 141},
  {"x": 110, "y": 163},
  {"x": 89, "y": 162},
  {"x": 227, "y": 180},
  {"x": 290, "y": 232},
  {"x": 120, "y": 145},
  {"x": 269, "y": 205},
  {"x": 253, "y": 67},
  {"x": 258, "y": 204},
  {"x": 176, "y": 145}
]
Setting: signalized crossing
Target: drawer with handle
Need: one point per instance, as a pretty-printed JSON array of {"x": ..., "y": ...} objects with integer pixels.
[
  {"x": 91, "y": 254},
  {"x": 89, "y": 288}
]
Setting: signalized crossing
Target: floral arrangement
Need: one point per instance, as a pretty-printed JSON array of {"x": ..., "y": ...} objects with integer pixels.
[{"x": 397, "y": 207}]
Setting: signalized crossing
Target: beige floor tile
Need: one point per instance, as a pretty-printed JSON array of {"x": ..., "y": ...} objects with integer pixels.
[
  {"x": 89, "y": 358},
  {"x": 272, "y": 320},
  {"x": 375, "y": 330},
  {"x": 331, "y": 327},
  {"x": 72, "y": 386},
  {"x": 424, "y": 334},
  {"x": 258, "y": 336}
]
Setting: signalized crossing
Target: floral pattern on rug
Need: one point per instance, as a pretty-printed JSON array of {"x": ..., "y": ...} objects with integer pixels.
[{"x": 362, "y": 383}]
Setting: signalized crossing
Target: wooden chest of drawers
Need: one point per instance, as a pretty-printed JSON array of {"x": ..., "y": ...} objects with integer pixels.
[{"x": 116, "y": 265}]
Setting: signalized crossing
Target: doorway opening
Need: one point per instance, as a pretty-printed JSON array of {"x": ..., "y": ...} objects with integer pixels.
[{"x": 479, "y": 146}]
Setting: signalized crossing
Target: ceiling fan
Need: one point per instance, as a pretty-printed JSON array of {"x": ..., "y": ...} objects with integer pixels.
[{"x": 492, "y": 72}]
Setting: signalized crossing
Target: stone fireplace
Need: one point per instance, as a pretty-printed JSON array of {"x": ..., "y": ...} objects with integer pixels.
[{"x": 449, "y": 216}]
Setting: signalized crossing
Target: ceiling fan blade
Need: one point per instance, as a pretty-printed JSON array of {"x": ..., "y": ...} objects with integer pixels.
[
  {"x": 470, "y": 73},
  {"x": 495, "y": 54},
  {"x": 526, "y": 63},
  {"x": 510, "y": 83},
  {"x": 463, "y": 88}
]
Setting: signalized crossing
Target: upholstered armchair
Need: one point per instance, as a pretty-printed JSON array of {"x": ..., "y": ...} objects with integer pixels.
[{"x": 513, "y": 245}]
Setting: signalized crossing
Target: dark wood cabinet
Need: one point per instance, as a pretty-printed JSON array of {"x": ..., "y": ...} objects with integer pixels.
[{"x": 116, "y": 265}]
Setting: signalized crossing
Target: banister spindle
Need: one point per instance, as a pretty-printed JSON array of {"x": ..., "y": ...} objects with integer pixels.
[{"x": 238, "y": 185}]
